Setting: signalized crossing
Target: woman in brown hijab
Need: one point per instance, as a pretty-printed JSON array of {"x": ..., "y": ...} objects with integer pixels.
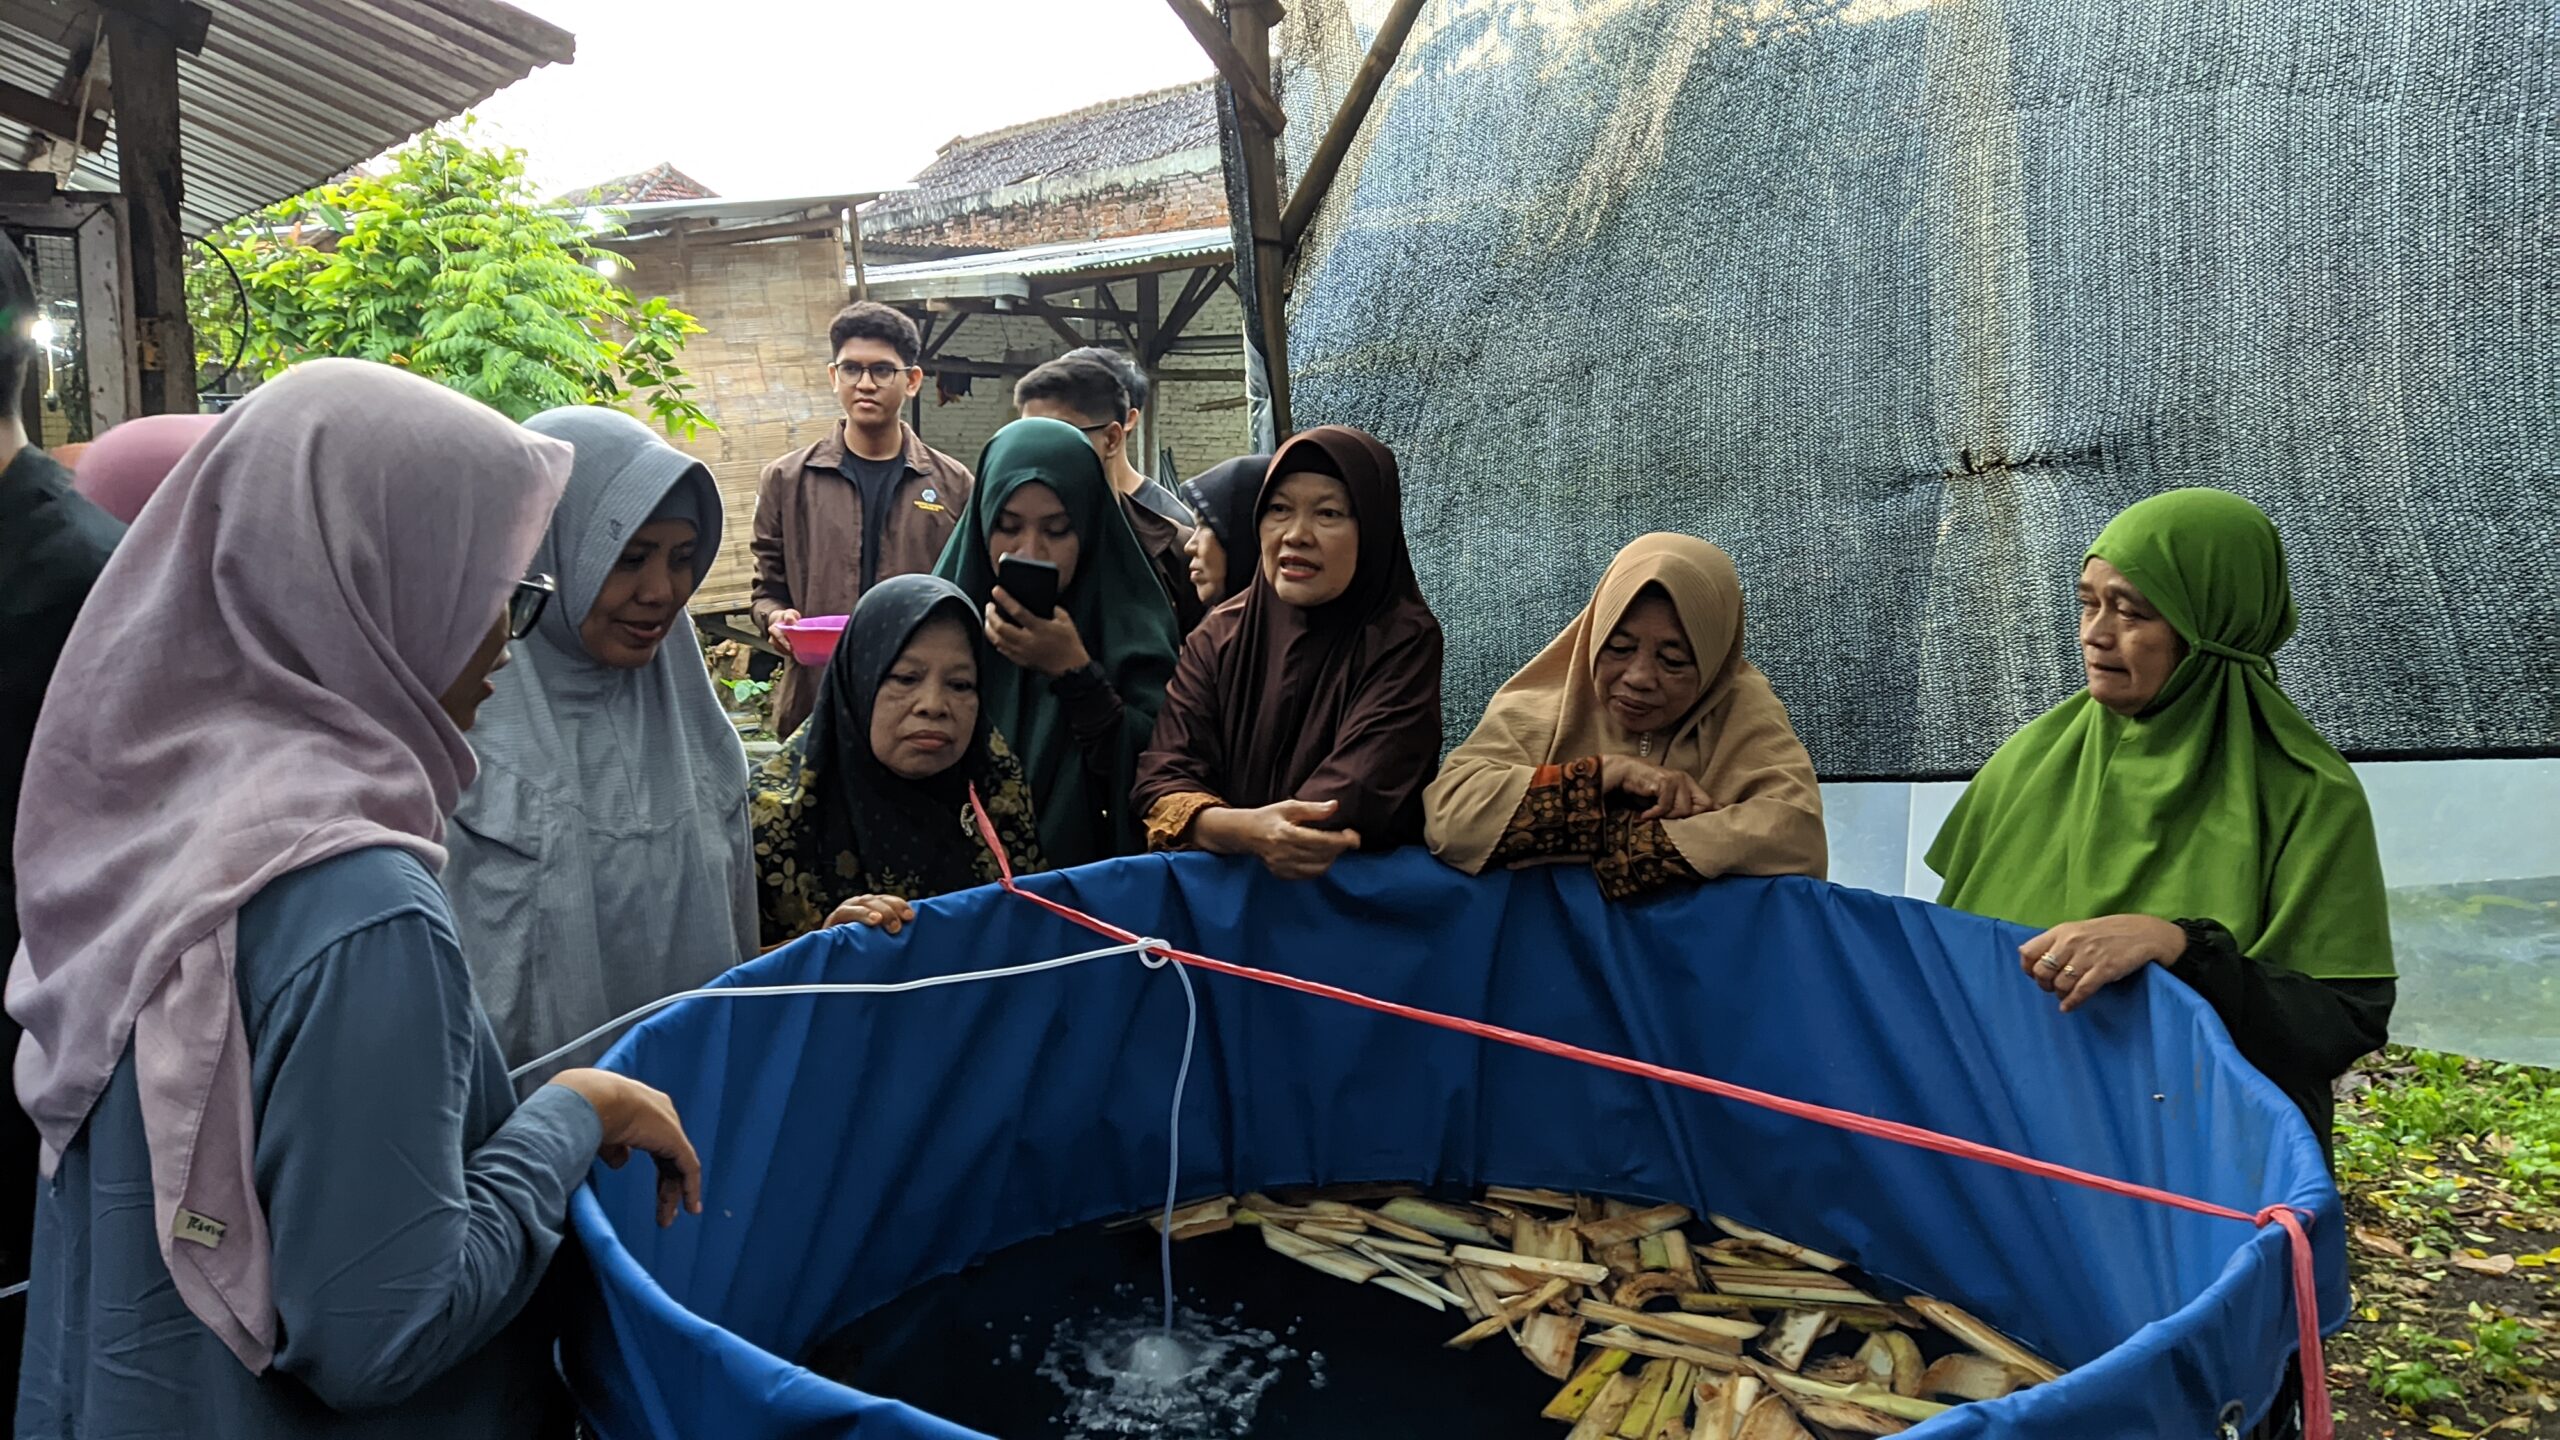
[
  {"x": 1304, "y": 717},
  {"x": 1639, "y": 742}
]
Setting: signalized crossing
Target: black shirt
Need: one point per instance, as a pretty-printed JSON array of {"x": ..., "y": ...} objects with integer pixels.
[
  {"x": 876, "y": 481},
  {"x": 52, "y": 545}
]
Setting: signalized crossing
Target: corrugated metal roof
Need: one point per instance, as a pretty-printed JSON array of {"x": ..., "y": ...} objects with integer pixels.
[
  {"x": 288, "y": 94},
  {"x": 1010, "y": 272},
  {"x": 723, "y": 208}
]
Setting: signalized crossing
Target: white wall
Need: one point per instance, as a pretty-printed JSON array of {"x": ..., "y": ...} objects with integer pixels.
[{"x": 2483, "y": 984}]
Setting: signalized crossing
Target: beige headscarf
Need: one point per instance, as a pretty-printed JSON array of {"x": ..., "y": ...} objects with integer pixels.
[{"x": 1735, "y": 741}]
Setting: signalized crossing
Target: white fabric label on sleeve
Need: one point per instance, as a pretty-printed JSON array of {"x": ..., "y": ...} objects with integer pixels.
[{"x": 191, "y": 1226}]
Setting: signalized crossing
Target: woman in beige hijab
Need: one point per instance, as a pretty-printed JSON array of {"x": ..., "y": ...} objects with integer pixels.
[{"x": 1639, "y": 742}]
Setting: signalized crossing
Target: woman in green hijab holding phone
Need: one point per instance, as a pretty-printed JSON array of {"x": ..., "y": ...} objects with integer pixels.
[
  {"x": 2181, "y": 812},
  {"x": 1083, "y": 635}
]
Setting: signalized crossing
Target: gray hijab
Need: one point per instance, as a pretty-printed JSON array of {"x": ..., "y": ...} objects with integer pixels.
[{"x": 602, "y": 860}]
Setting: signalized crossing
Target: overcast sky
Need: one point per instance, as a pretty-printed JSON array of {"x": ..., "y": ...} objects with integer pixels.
[{"x": 767, "y": 98}]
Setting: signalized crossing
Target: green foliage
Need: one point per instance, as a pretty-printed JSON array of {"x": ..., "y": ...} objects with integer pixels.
[
  {"x": 2502, "y": 1346},
  {"x": 451, "y": 266},
  {"x": 2511, "y": 1113},
  {"x": 2414, "y": 1383}
]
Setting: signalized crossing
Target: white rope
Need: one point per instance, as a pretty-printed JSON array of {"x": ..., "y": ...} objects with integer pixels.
[
  {"x": 1140, "y": 948},
  {"x": 1173, "y": 1127},
  {"x": 897, "y": 987}
]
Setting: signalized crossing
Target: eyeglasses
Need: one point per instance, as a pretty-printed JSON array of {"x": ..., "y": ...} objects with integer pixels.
[
  {"x": 525, "y": 606},
  {"x": 1105, "y": 425},
  {"x": 880, "y": 371}
]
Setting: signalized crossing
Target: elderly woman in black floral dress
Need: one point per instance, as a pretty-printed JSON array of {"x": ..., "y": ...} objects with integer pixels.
[{"x": 866, "y": 808}]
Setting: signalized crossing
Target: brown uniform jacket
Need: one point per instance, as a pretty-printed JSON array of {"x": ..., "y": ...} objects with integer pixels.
[
  {"x": 808, "y": 540},
  {"x": 1151, "y": 515}
]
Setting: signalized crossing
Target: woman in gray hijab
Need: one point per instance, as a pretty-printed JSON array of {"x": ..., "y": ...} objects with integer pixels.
[{"x": 602, "y": 860}]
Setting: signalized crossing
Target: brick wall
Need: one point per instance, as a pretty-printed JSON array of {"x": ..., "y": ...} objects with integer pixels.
[
  {"x": 1180, "y": 202},
  {"x": 760, "y": 368}
]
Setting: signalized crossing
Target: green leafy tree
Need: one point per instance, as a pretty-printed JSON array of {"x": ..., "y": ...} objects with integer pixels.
[{"x": 450, "y": 265}]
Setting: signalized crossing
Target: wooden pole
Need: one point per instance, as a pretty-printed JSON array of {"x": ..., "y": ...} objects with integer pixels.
[
  {"x": 1383, "y": 49},
  {"x": 145, "y": 58},
  {"x": 1249, "y": 22},
  {"x": 1237, "y": 62},
  {"x": 1150, "y": 303},
  {"x": 853, "y": 231}
]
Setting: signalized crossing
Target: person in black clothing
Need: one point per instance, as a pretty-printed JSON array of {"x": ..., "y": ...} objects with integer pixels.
[
  {"x": 1086, "y": 391},
  {"x": 52, "y": 546}
]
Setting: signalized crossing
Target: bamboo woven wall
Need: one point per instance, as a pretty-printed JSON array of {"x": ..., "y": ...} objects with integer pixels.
[{"x": 761, "y": 367}]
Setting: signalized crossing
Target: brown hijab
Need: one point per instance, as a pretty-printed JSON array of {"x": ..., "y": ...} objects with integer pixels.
[
  {"x": 1340, "y": 702},
  {"x": 1735, "y": 741}
]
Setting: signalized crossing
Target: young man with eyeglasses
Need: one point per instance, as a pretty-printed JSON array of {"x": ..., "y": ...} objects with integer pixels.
[
  {"x": 869, "y": 501},
  {"x": 1086, "y": 391}
]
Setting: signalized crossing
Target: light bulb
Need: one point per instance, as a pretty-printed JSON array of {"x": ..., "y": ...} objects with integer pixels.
[{"x": 41, "y": 332}]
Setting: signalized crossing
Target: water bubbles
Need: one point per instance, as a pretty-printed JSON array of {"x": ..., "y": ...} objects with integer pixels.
[
  {"x": 1159, "y": 1358},
  {"x": 1129, "y": 1375}
]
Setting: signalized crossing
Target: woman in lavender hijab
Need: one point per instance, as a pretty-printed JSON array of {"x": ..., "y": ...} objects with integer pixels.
[{"x": 243, "y": 999}]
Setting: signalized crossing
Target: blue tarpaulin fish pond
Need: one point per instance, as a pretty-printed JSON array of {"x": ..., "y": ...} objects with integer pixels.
[{"x": 855, "y": 1147}]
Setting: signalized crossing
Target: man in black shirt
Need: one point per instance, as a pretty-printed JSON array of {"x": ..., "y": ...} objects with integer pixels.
[
  {"x": 52, "y": 545},
  {"x": 1088, "y": 393}
]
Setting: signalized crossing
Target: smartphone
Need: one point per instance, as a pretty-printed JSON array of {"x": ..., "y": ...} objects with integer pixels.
[{"x": 1031, "y": 584}]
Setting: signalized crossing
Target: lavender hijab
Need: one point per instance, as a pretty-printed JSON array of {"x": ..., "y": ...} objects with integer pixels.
[{"x": 307, "y": 582}]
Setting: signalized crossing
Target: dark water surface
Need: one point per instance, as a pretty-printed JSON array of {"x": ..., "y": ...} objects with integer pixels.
[{"x": 1025, "y": 1344}]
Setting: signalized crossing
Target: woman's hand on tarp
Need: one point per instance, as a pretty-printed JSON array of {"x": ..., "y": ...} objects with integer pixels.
[
  {"x": 1674, "y": 796},
  {"x": 1050, "y": 647},
  {"x": 636, "y": 1117},
  {"x": 883, "y": 912},
  {"x": 1283, "y": 836},
  {"x": 2078, "y": 960}
]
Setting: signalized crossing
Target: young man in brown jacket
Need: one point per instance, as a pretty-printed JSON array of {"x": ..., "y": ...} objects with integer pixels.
[{"x": 869, "y": 501}]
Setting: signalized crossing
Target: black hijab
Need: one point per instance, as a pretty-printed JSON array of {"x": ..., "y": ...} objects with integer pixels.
[
  {"x": 832, "y": 821},
  {"x": 1224, "y": 496}
]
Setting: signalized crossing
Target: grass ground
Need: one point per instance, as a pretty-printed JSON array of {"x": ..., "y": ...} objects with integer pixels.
[{"x": 2451, "y": 1168}]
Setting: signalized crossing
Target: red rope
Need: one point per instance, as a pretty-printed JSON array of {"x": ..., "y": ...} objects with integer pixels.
[{"x": 2317, "y": 1421}]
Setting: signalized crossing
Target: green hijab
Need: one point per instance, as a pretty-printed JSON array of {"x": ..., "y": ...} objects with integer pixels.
[
  {"x": 2219, "y": 802},
  {"x": 1119, "y": 608}
]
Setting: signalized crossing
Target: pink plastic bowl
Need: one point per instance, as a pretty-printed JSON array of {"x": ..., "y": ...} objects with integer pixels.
[{"x": 812, "y": 638}]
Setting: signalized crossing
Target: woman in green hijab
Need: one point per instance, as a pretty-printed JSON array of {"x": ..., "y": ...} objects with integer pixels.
[
  {"x": 1076, "y": 692},
  {"x": 2181, "y": 812}
]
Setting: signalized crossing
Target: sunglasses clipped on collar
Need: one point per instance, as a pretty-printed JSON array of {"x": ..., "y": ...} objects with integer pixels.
[{"x": 525, "y": 606}]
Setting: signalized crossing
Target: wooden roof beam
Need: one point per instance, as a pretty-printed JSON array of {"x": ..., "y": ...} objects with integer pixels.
[
  {"x": 53, "y": 117},
  {"x": 1056, "y": 319},
  {"x": 1253, "y": 97},
  {"x": 1196, "y": 293},
  {"x": 1338, "y": 136},
  {"x": 185, "y": 21}
]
